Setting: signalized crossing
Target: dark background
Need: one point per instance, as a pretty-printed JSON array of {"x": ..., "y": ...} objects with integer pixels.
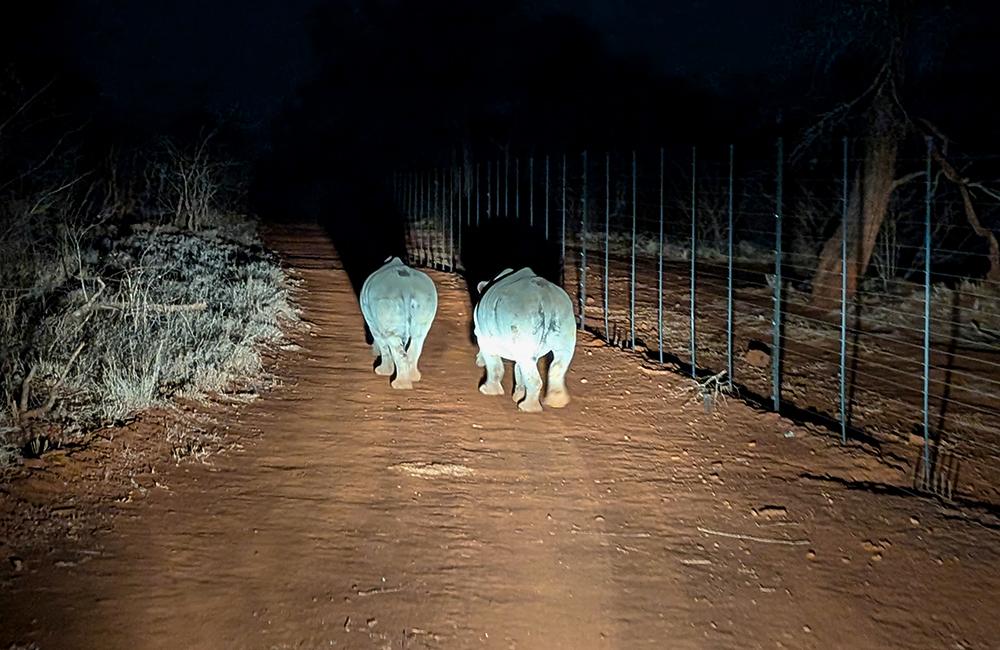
[{"x": 324, "y": 99}]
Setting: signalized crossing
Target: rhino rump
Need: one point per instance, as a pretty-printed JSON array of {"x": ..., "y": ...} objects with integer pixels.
[
  {"x": 522, "y": 315},
  {"x": 396, "y": 297}
]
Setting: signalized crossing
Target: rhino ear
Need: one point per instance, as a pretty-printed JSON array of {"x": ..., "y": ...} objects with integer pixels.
[{"x": 479, "y": 287}]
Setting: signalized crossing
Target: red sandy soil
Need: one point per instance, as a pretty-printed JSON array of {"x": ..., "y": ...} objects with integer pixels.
[
  {"x": 347, "y": 514},
  {"x": 884, "y": 398}
]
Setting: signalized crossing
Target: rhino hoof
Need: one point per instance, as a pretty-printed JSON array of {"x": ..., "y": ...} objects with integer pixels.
[
  {"x": 384, "y": 369},
  {"x": 401, "y": 384},
  {"x": 530, "y": 406},
  {"x": 415, "y": 375},
  {"x": 491, "y": 389},
  {"x": 557, "y": 400},
  {"x": 519, "y": 394}
]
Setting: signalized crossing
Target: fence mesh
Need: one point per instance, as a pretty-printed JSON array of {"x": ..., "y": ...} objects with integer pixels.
[{"x": 728, "y": 263}]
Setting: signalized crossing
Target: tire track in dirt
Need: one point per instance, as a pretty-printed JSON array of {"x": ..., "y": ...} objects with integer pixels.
[{"x": 440, "y": 518}]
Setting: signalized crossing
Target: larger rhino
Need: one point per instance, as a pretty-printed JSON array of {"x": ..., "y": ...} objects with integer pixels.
[
  {"x": 522, "y": 317},
  {"x": 399, "y": 304}
]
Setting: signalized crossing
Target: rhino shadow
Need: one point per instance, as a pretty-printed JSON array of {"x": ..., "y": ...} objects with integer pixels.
[
  {"x": 498, "y": 244},
  {"x": 357, "y": 214}
]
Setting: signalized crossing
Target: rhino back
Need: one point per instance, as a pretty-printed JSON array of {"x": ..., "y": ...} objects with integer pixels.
[{"x": 518, "y": 311}]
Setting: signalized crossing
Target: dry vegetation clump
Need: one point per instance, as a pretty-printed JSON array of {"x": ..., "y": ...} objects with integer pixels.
[{"x": 104, "y": 313}]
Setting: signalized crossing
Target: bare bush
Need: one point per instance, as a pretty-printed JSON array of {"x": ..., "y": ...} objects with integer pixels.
[
  {"x": 166, "y": 312},
  {"x": 191, "y": 187}
]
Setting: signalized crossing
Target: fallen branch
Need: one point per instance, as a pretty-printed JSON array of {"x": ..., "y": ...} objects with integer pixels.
[
  {"x": 85, "y": 308},
  {"x": 751, "y": 538},
  {"x": 23, "y": 414},
  {"x": 159, "y": 308},
  {"x": 26, "y": 391},
  {"x": 709, "y": 389}
]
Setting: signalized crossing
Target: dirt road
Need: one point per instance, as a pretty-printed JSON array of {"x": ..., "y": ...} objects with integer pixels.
[{"x": 366, "y": 517}]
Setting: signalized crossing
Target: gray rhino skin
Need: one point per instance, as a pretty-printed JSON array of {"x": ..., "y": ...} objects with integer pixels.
[
  {"x": 399, "y": 304},
  {"x": 522, "y": 317}
]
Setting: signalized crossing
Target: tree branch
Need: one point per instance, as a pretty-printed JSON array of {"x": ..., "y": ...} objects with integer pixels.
[
  {"x": 970, "y": 213},
  {"x": 905, "y": 179},
  {"x": 24, "y": 415}
]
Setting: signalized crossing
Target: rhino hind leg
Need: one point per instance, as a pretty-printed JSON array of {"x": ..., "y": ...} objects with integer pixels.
[
  {"x": 532, "y": 386},
  {"x": 519, "y": 391},
  {"x": 414, "y": 351},
  {"x": 556, "y": 395},
  {"x": 494, "y": 375},
  {"x": 381, "y": 351},
  {"x": 404, "y": 372}
]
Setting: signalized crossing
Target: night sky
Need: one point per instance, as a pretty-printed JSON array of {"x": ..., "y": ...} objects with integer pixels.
[
  {"x": 502, "y": 69},
  {"x": 162, "y": 56}
]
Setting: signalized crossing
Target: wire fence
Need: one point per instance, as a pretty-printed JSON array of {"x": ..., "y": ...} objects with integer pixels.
[{"x": 756, "y": 275}]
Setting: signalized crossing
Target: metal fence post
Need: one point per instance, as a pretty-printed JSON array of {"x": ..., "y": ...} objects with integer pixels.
[
  {"x": 451, "y": 220},
  {"x": 477, "y": 194},
  {"x": 461, "y": 195},
  {"x": 729, "y": 273},
  {"x": 417, "y": 217},
  {"x": 929, "y": 186},
  {"x": 776, "y": 323},
  {"x": 635, "y": 214},
  {"x": 429, "y": 219},
  {"x": 694, "y": 260},
  {"x": 489, "y": 187},
  {"x": 496, "y": 212},
  {"x": 659, "y": 271},
  {"x": 546, "y": 197},
  {"x": 583, "y": 247},
  {"x": 531, "y": 192},
  {"x": 562, "y": 255},
  {"x": 441, "y": 212},
  {"x": 517, "y": 188},
  {"x": 411, "y": 218},
  {"x": 843, "y": 297},
  {"x": 607, "y": 237},
  {"x": 506, "y": 183}
]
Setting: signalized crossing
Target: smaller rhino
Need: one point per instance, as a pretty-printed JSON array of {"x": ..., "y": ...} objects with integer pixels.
[
  {"x": 399, "y": 304},
  {"x": 522, "y": 317}
]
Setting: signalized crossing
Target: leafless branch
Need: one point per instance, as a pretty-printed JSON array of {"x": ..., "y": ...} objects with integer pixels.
[
  {"x": 159, "y": 308},
  {"x": 836, "y": 115},
  {"x": 24, "y": 415},
  {"x": 970, "y": 213},
  {"x": 25, "y": 105},
  {"x": 906, "y": 179}
]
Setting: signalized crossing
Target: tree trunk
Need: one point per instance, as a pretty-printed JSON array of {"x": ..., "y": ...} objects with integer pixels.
[
  {"x": 866, "y": 210},
  {"x": 993, "y": 275}
]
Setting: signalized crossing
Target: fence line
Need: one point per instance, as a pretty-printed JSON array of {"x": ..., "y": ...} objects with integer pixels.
[{"x": 768, "y": 223}]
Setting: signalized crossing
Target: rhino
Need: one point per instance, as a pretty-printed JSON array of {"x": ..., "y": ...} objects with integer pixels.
[
  {"x": 522, "y": 317},
  {"x": 399, "y": 304}
]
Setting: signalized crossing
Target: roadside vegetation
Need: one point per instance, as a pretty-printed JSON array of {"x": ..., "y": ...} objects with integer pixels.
[{"x": 124, "y": 285}]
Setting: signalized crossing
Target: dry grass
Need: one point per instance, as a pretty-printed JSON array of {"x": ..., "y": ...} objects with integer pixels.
[
  {"x": 164, "y": 312},
  {"x": 102, "y": 317}
]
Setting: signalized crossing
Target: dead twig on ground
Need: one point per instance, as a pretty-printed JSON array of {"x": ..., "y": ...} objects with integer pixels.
[
  {"x": 159, "y": 308},
  {"x": 752, "y": 538},
  {"x": 22, "y": 413},
  {"x": 709, "y": 390}
]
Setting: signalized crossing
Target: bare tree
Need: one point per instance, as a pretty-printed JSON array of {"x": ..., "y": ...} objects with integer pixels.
[{"x": 883, "y": 26}]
